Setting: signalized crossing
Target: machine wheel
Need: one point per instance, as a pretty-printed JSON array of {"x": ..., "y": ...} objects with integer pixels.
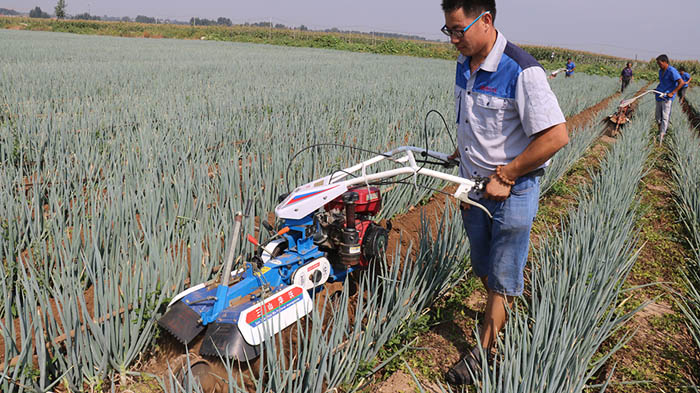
[
  {"x": 374, "y": 242},
  {"x": 202, "y": 371},
  {"x": 280, "y": 249}
]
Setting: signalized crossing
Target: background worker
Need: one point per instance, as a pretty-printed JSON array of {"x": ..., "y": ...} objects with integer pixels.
[
  {"x": 686, "y": 83},
  {"x": 507, "y": 136},
  {"x": 670, "y": 82},
  {"x": 626, "y": 77},
  {"x": 570, "y": 67}
]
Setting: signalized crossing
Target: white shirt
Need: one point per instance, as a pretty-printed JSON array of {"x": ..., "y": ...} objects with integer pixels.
[{"x": 500, "y": 107}]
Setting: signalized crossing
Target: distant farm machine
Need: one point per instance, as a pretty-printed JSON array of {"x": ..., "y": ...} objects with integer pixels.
[
  {"x": 621, "y": 115},
  {"x": 555, "y": 72}
]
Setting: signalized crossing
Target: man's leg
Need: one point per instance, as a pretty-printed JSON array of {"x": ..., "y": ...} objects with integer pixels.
[
  {"x": 509, "y": 248},
  {"x": 478, "y": 227},
  {"x": 498, "y": 262},
  {"x": 495, "y": 317},
  {"x": 665, "y": 118},
  {"x": 658, "y": 115}
]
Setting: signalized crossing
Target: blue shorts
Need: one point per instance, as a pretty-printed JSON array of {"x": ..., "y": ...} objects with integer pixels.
[{"x": 499, "y": 248}]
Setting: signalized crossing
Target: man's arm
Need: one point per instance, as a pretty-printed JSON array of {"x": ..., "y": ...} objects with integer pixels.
[
  {"x": 541, "y": 149},
  {"x": 680, "y": 85}
]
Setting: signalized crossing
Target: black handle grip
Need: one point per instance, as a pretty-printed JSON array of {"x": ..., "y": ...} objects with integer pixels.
[
  {"x": 268, "y": 226},
  {"x": 451, "y": 163}
]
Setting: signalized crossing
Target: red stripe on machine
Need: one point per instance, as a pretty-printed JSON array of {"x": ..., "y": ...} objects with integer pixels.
[
  {"x": 314, "y": 266},
  {"x": 273, "y": 305},
  {"x": 299, "y": 198}
]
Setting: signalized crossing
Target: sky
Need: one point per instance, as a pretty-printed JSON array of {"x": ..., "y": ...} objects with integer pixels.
[{"x": 626, "y": 28}]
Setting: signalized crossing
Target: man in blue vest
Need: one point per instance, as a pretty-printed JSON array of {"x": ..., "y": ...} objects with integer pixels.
[
  {"x": 686, "y": 82},
  {"x": 509, "y": 126},
  {"x": 570, "y": 67},
  {"x": 670, "y": 82}
]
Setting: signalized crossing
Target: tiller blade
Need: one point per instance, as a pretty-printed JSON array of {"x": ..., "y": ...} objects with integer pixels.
[
  {"x": 225, "y": 340},
  {"x": 182, "y": 322}
]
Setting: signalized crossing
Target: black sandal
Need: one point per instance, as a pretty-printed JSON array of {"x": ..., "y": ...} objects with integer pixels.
[{"x": 461, "y": 372}]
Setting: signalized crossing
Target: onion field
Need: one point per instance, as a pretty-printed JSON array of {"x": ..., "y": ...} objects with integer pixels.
[{"x": 124, "y": 160}]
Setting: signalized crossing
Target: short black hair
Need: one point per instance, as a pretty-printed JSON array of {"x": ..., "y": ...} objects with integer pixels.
[
  {"x": 681, "y": 69},
  {"x": 471, "y": 6},
  {"x": 662, "y": 58}
]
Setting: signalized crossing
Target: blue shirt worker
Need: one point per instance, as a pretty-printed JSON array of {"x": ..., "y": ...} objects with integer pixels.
[
  {"x": 509, "y": 126},
  {"x": 570, "y": 67},
  {"x": 670, "y": 82},
  {"x": 686, "y": 82}
]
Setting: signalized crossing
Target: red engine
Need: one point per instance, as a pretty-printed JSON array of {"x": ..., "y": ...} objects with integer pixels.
[
  {"x": 369, "y": 201},
  {"x": 362, "y": 240}
]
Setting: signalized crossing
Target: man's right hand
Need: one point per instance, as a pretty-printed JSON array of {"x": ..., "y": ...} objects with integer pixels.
[
  {"x": 452, "y": 160},
  {"x": 496, "y": 189},
  {"x": 454, "y": 155}
]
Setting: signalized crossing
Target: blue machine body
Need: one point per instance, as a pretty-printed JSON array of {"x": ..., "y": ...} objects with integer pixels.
[{"x": 219, "y": 308}]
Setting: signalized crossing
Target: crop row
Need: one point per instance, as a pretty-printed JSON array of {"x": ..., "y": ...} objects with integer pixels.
[
  {"x": 580, "y": 139},
  {"x": 684, "y": 144},
  {"x": 582, "y": 91}
]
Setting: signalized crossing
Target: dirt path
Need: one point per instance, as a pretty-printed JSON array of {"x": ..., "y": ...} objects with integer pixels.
[{"x": 692, "y": 112}]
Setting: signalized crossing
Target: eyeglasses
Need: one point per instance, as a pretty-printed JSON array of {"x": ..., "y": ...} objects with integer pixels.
[{"x": 460, "y": 33}]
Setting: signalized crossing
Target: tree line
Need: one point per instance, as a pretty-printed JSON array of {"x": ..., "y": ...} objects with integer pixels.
[{"x": 196, "y": 21}]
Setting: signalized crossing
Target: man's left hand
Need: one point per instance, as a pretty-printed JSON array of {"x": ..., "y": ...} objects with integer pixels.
[
  {"x": 669, "y": 95},
  {"x": 496, "y": 189}
]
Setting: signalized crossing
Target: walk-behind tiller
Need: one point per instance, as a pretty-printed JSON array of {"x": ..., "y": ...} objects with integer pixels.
[
  {"x": 327, "y": 232},
  {"x": 621, "y": 116},
  {"x": 554, "y": 73}
]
